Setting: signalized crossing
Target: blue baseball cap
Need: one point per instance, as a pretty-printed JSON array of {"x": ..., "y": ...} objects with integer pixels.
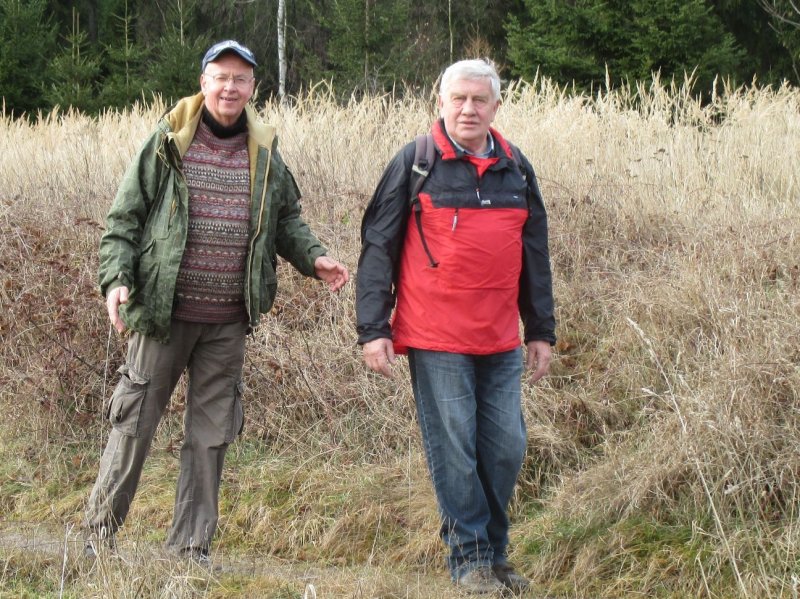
[{"x": 228, "y": 46}]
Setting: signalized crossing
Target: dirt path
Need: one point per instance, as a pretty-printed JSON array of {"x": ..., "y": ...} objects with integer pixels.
[{"x": 56, "y": 550}]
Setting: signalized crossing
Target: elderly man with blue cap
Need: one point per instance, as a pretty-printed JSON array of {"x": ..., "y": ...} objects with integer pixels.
[{"x": 187, "y": 264}]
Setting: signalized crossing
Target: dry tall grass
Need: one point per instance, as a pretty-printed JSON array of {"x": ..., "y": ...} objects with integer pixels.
[{"x": 663, "y": 454}]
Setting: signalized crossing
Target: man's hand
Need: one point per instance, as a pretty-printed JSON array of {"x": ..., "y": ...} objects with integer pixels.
[
  {"x": 379, "y": 356},
  {"x": 117, "y": 296},
  {"x": 539, "y": 355},
  {"x": 330, "y": 271}
]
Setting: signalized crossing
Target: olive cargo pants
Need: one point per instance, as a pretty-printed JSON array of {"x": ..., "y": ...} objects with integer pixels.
[{"x": 213, "y": 355}]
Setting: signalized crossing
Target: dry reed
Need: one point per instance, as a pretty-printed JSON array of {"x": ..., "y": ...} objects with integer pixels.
[{"x": 663, "y": 448}]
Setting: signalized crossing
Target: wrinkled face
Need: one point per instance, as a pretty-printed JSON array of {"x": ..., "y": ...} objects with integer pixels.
[
  {"x": 468, "y": 108},
  {"x": 227, "y": 85}
]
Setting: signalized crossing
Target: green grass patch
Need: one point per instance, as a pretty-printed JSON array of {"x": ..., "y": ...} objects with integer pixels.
[{"x": 26, "y": 575}]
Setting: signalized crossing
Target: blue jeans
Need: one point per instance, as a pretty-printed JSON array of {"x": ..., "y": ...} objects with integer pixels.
[{"x": 470, "y": 415}]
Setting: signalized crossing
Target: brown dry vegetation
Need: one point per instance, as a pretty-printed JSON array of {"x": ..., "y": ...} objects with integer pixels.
[{"x": 664, "y": 452}]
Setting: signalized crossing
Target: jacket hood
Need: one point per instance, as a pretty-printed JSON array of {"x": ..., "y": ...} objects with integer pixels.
[{"x": 183, "y": 118}]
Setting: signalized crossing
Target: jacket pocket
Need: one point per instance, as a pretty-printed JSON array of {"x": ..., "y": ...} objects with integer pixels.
[
  {"x": 236, "y": 422},
  {"x": 269, "y": 286},
  {"x": 491, "y": 238},
  {"x": 125, "y": 407},
  {"x": 146, "y": 279}
]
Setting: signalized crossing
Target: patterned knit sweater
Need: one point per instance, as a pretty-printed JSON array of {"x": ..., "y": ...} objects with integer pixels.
[{"x": 210, "y": 284}]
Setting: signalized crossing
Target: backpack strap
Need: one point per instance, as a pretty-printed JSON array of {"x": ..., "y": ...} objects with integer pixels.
[
  {"x": 424, "y": 157},
  {"x": 516, "y": 156}
]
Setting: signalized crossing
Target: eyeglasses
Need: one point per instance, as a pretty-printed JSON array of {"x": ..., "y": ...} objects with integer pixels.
[{"x": 237, "y": 81}]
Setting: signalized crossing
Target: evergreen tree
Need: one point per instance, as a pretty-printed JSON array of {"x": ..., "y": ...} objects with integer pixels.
[
  {"x": 444, "y": 32},
  {"x": 306, "y": 44},
  {"x": 368, "y": 46},
  {"x": 124, "y": 81},
  {"x": 176, "y": 73},
  {"x": 128, "y": 48},
  {"x": 565, "y": 41},
  {"x": 74, "y": 73},
  {"x": 178, "y": 53},
  {"x": 27, "y": 40},
  {"x": 675, "y": 37},
  {"x": 784, "y": 20},
  {"x": 577, "y": 41}
]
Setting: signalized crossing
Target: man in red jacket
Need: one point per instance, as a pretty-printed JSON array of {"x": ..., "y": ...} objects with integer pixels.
[{"x": 463, "y": 271}]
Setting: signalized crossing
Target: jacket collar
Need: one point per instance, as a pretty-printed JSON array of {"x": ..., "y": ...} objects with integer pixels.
[
  {"x": 450, "y": 151},
  {"x": 184, "y": 117}
]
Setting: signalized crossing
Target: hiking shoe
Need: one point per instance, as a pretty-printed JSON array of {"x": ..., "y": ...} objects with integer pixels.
[
  {"x": 198, "y": 556},
  {"x": 480, "y": 581},
  {"x": 201, "y": 558},
  {"x": 96, "y": 544},
  {"x": 514, "y": 582}
]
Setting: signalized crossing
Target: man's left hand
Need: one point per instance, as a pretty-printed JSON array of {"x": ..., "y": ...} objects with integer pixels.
[
  {"x": 539, "y": 355},
  {"x": 332, "y": 272}
]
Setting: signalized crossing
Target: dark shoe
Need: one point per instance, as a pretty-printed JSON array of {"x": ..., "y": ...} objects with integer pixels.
[
  {"x": 89, "y": 550},
  {"x": 514, "y": 582},
  {"x": 196, "y": 555},
  {"x": 99, "y": 542},
  {"x": 480, "y": 581},
  {"x": 201, "y": 558}
]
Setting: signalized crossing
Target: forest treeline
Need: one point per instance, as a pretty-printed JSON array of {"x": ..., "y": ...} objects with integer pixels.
[{"x": 96, "y": 54}]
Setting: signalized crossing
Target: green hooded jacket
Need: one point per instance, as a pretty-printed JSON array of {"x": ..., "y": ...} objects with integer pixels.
[{"x": 146, "y": 227}]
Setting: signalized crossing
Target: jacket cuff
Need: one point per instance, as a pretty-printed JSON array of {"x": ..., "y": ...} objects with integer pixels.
[
  {"x": 119, "y": 281},
  {"x": 539, "y": 336},
  {"x": 367, "y": 334},
  {"x": 315, "y": 253}
]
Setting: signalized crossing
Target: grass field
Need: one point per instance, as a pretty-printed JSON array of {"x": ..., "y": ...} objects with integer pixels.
[{"x": 664, "y": 449}]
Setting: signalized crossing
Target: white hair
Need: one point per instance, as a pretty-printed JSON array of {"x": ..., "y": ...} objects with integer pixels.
[{"x": 471, "y": 69}]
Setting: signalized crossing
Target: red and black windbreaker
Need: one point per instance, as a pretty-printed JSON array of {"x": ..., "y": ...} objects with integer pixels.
[{"x": 486, "y": 261}]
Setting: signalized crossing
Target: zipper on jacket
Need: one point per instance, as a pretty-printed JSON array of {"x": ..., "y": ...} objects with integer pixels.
[
  {"x": 173, "y": 209},
  {"x": 174, "y": 162},
  {"x": 249, "y": 274},
  {"x": 455, "y": 219}
]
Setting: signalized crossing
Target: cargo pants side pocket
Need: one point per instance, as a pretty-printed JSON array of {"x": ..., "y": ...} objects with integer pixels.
[
  {"x": 237, "y": 417},
  {"x": 125, "y": 406}
]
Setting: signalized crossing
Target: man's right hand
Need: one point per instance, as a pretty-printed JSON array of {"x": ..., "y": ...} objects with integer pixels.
[
  {"x": 117, "y": 296},
  {"x": 379, "y": 356}
]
